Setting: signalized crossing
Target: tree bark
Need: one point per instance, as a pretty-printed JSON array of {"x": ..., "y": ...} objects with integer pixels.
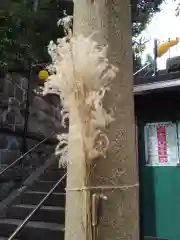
[{"x": 110, "y": 19}]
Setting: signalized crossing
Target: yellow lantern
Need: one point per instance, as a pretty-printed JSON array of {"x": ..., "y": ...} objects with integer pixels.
[
  {"x": 164, "y": 47},
  {"x": 43, "y": 75}
]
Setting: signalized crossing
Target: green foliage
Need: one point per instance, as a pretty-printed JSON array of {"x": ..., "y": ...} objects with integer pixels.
[
  {"x": 25, "y": 33},
  {"x": 142, "y": 12},
  {"x": 27, "y": 26}
]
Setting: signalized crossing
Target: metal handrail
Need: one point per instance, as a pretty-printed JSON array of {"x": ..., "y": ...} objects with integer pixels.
[
  {"x": 23, "y": 224},
  {"x": 134, "y": 74},
  {"x": 23, "y": 155}
]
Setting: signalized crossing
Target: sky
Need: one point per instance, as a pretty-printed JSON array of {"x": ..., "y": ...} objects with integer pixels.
[{"x": 164, "y": 25}]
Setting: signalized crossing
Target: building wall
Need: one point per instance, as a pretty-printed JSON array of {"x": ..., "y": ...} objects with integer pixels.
[{"x": 155, "y": 182}]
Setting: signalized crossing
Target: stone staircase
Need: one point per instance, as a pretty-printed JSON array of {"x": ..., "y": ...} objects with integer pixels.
[{"x": 48, "y": 222}]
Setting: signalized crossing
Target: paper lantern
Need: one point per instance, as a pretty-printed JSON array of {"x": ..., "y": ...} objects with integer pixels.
[{"x": 43, "y": 74}]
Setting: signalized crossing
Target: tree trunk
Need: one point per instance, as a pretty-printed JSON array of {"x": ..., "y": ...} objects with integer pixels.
[{"x": 120, "y": 220}]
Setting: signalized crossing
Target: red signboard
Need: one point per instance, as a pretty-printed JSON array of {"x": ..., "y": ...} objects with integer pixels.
[{"x": 162, "y": 144}]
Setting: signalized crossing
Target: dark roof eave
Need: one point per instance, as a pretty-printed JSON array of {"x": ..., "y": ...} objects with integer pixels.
[{"x": 141, "y": 89}]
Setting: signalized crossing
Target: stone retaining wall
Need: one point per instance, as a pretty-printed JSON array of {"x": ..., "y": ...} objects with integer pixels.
[
  {"x": 44, "y": 118},
  {"x": 10, "y": 150},
  {"x": 44, "y": 111}
]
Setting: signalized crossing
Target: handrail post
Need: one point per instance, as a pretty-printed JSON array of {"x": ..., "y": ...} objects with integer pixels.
[
  {"x": 26, "y": 117},
  {"x": 26, "y": 113}
]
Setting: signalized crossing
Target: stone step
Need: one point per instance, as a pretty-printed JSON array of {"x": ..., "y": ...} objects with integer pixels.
[
  {"x": 34, "y": 197},
  {"x": 55, "y": 164},
  {"x": 46, "y": 186},
  {"x": 48, "y": 222},
  {"x": 52, "y": 175},
  {"x": 51, "y": 214},
  {"x": 5, "y": 238},
  {"x": 33, "y": 230},
  {"x": 5, "y": 179}
]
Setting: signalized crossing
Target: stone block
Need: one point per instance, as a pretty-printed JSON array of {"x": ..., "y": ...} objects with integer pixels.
[
  {"x": 3, "y": 141},
  {"x": 39, "y": 103},
  {"x": 19, "y": 94},
  {"x": 13, "y": 142},
  {"x": 4, "y": 104},
  {"x": 14, "y": 115},
  {"x": 24, "y": 83},
  {"x": 42, "y": 117},
  {"x": 36, "y": 127},
  {"x": 22, "y": 106},
  {"x": 3, "y": 97},
  {"x": 13, "y": 102},
  {"x": 10, "y": 118},
  {"x": 3, "y": 117},
  {"x": 1, "y": 84},
  {"x": 19, "y": 121},
  {"x": 9, "y": 142},
  {"x": 53, "y": 99},
  {"x": 16, "y": 78},
  {"x": 31, "y": 143},
  {"x": 9, "y": 88},
  {"x": 8, "y": 156}
]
